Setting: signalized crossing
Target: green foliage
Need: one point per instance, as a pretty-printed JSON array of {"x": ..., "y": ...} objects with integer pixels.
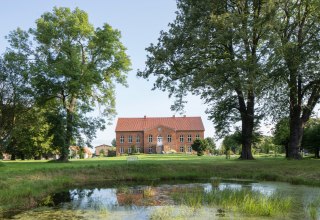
[
  {"x": 282, "y": 132},
  {"x": 73, "y": 68},
  {"x": 102, "y": 153},
  {"x": 200, "y": 146},
  {"x": 265, "y": 145},
  {"x": 211, "y": 145},
  {"x": 311, "y": 137},
  {"x": 15, "y": 94},
  {"x": 114, "y": 142},
  {"x": 294, "y": 65},
  {"x": 232, "y": 142},
  {"x": 30, "y": 137},
  {"x": 216, "y": 50}
]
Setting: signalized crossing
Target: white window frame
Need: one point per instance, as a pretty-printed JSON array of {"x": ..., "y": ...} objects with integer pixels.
[
  {"x": 137, "y": 149},
  {"x": 189, "y": 138},
  {"x": 181, "y": 138},
  {"x": 129, "y": 150},
  {"x": 169, "y": 138},
  {"x": 130, "y": 139},
  {"x": 121, "y": 150},
  {"x": 150, "y": 138},
  {"x": 181, "y": 149},
  {"x": 197, "y": 136},
  {"x": 138, "y": 139},
  {"x": 121, "y": 139},
  {"x": 189, "y": 149},
  {"x": 150, "y": 150}
]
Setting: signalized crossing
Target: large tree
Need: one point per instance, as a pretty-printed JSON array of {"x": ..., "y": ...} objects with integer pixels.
[
  {"x": 74, "y": 68},
  {"x": 215, "y": 49},
  {"x": 16, "y": 97},
  {"x": 295, "y": 64}
]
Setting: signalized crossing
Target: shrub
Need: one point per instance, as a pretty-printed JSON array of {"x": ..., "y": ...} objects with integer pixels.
[{"x": 200, "y": 146}]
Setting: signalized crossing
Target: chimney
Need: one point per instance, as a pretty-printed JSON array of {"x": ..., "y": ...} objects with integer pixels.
[
  {"x": 145, "y": 116},
  {"x": 184, "y": 116},
  {"x": 173, "y": 116}
]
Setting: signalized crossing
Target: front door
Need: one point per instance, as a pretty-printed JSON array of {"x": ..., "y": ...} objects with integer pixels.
[
  {"x": 159, "y": 141},
  {"x": 159, "y": 145}
]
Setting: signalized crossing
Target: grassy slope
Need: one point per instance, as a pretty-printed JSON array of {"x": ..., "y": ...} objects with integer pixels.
[{"x": 24, "y": 184}]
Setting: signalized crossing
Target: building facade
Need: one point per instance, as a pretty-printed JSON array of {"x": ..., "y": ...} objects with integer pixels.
[{"x": 157, "y": 135}]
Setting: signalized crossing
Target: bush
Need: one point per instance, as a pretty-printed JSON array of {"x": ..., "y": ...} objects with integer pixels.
[
  {"x": 112, "y": 153},
  {"x": 200, "y": 146}
]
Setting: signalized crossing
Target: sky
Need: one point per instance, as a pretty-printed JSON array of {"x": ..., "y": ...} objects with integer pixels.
[{"x": 140, "y": 23}]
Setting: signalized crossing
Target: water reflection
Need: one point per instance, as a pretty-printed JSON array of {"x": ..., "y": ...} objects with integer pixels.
[{"x": 143, "y": 201}]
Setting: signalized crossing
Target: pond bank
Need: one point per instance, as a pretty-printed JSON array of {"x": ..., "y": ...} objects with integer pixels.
[
  {"x": 174, "y": 200},
  {"x": 24, "y": 184}
]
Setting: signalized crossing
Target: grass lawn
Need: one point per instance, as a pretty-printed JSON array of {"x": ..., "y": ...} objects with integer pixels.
[{"x": 23, "y": 184}]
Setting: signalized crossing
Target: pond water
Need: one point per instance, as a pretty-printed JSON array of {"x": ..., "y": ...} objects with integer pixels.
[{"x": 161, "y": 201}]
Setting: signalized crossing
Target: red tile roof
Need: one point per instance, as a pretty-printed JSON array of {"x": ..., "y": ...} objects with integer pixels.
[{"x": 175, "y": 123}]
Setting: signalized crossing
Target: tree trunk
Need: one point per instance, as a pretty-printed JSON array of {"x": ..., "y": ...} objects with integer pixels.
[
  {"x": 317, "y": 152},
  {"x": 69, "y": 132},
  {"x": 287, "y": 150},
  {"x": 13, "y": 157},
  {"x": 247, "y": 121},
  {"x": 296, "y": 131},
  {"x": 246, "y": 138}
]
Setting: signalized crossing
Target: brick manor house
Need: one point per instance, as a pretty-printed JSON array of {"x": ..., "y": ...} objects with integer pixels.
[{"x": 157, "y": 134}]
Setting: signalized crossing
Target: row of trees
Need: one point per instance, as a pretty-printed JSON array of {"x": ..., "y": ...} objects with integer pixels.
[
  {"x": 248, "y": 60},
  {"x": 51, "y": 76},
  {"x": 279, "y": 142}
]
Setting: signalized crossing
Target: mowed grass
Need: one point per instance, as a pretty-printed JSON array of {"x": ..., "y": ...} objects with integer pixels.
[{"x": 24, "y": 184}]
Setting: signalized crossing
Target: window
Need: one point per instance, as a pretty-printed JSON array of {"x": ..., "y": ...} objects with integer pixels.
[
  {"x": 197, "y": 136},
  {"x": 121, "y": 150},
  {"x": 150, "y": 150},
  {"x": 169, "y": 138},
  {"x": 150, "y": 138},
  {"x": 181, "y": 149},
  {"x": 130, "y": 139},
  {"x": 129, "y": 150},
  {"x": 181, "y": 138},
  {"x": 137, "y": 149},
  {"x": 138, "y": 139},
  {"x": 121, "y": 139},
  {"x": 189, "y": 138},
  {"x": 189, "y": 149}
]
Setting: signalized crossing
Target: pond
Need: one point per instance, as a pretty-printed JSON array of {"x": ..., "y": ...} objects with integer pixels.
[{"x": 212, "y": 199}]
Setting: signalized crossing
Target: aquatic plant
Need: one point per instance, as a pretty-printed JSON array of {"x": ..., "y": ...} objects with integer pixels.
[
  {"x": 148, "y": 192},
  {"x": 123, "y": 189},
  {"x": 243, "y": 200},
  {"x": 313, "y": 209},
  {"x": 216, "y": 182},
  {"x": 162, "y": 213},
  {"x": 191, "y": 197}
]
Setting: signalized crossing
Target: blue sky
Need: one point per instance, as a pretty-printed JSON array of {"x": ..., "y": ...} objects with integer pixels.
[{"x": 140, "y": 22}]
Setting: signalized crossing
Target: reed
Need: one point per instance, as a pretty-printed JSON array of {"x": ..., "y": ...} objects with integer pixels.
[
  {"x": 243, "y": 201},
  {"x": 313, "y": 209},
  {"x": 148, "y": 192}
]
